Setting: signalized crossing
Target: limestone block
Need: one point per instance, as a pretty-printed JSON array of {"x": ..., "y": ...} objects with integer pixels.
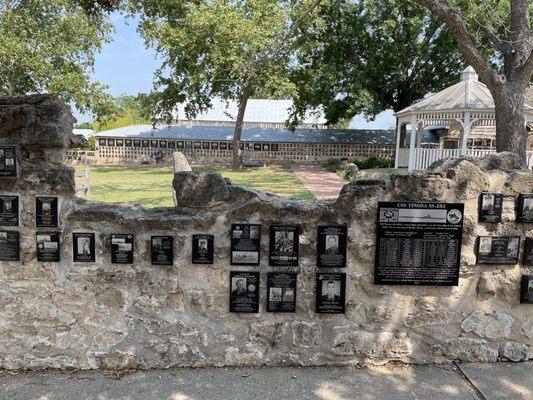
[
  {"x": 305, "y": 334},
  {"x": 381, "y": 345},
  {"x": 466, "y": 350},
  {"x": 180, "y": 162},
  {"x": 491, "y": 326},
  {"x": 251, "y": 358},
  {"x": 267, "y": 332},
  {"x": 515, "y": 351}
]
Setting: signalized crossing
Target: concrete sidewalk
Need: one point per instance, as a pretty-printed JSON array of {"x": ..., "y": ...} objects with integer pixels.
[{"x": 468, "y": 381}]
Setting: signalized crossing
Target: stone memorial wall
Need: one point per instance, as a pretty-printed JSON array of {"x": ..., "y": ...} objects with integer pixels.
[{"x": 140, "y": 314}]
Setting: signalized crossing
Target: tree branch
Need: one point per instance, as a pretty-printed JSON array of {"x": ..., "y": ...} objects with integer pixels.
[{"x": 466, "y": 43}]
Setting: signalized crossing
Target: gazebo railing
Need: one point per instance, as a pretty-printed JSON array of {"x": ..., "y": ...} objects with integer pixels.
[{"x": 423, "y": 158}]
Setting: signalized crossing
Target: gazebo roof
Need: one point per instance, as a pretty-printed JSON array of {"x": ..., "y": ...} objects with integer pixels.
[{"x": 468, "y": 94}]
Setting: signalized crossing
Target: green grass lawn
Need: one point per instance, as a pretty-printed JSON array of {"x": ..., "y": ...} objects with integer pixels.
[{"x": 152, "y": 186}]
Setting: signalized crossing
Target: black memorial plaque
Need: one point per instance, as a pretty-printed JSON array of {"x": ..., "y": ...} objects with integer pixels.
[
  {"x": 8, "y": 161},
  {"x": 202, "y": 249},
  {"x": 9, "y": 246},
  {"x": 498, "y": 249},
  {"x": 331, "y": 246},
  {"x": 284, "y": 243},
  {"x": 9, "y": 210},
  {"x": 83, "y": 246},
  {"x": 245, "y": 244},
  {"x": 330, "y": 293},
  {"x": 490, "y": 207},
  {"x": 281, "y": 291},
  {"x": 122, "y": 248},
  {"x": 48, "y": 249},
  {"x": 244, "y": 292},
  {"x": 162, "y": 250},
  {"x": 418, "y": 243},
  {"x": 526, "y": 289},
  {"x": 46, "y": 212},
  {"x": 524, "y": 210},
  {"x": 528, "y": 252}
]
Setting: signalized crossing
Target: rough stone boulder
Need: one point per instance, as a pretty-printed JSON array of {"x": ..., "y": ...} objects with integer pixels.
[
  {"x": 40, "y": 124},
  {"x": 199, "y": 189}
]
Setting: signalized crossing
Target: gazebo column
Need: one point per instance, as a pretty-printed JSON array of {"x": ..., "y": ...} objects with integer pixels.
[
  {"x": 412, "y": 142},
  {"x": 398, "y": 133},
  {"x": 467, "y": 124}
]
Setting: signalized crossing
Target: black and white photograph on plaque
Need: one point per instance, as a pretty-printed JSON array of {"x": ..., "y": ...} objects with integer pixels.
[
  {"x": 284, "y": 243},
  {"x": 8, "y": 161},
  {"x": 48, "y": 247},
  {"x": 418, "y": 243},
  {"x": 498, "y": 249},
  {"x": 122, "y": 248},
  {"x": 490, "y": 207},
  {"x": 162, "y": 250},
  {"x": 46, "y": 212},
  {"x": 330, "y": 293},
  {"x": 9, "y": 246},
  {"x": 203, "y": 249},
  {"x": 245, "y": 244},
  {"x": 527, "y": 258},
  {"x": 526, "y": 289},
  {"x": 83, "y": 244},
  {"x": 524, "y": 212},
  {"x": 9, "y": 210},
  {"x": 281, "y": 291},
  {"x": 331, "y": 246},
  {"x": 244, "y": 292}
]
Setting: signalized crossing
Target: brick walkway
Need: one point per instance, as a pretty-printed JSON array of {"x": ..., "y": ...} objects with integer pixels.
[{"x": 323, "y": 184}]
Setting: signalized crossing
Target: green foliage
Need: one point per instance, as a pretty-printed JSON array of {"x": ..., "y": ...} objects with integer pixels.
[
  {"x": 219, "y": 48},
  {"x": 92, "y": 143},
  {"x": 339, "y": 165},
  {"x": 128, "y": 111},
  {"x": 84, "y": 125},
  {"x": 49, "y": 46},
  {"x": 373, "y": 162},
  {"x": 372, "y": 55}
]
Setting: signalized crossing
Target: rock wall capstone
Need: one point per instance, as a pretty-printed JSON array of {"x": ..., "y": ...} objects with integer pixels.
[{"x": 112, "y": 316}]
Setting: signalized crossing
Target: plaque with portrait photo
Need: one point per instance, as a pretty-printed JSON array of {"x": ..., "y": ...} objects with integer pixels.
[
  {"x": 244, "y": 292},
  {"x": 162, "y": 250},
  {"x": 83, "y": 246},
  {"x": 122, "y": 248},
  {"x": 8, "y": 161},
  {"x": 490, "y": 207},
  {"x": 527, "y": 258},
  {"x": 498, "y": 249},
  {"x": 245, "y": 244},
  {"x": 9, "y": 246},
  {"x": 9, "y": 210},
  {"x": 330, "y": 293},
  {"x": 284, "y": 243},
  {"x": 46, "y": 212},
  {"x": 524, "y": 209},
  {"x": 526, "y": 289},
  {"x": 331, "y": 246},
  {"x": 281, "y": 292},
  {"x": 48, "y": 249},
  {"x": 418, "y": 243},
  {"x": 203, "y": 247}
]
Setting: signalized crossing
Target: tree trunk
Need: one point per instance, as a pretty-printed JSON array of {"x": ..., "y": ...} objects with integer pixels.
[
  {"x": 511, "y": 134},
  {"x": 237, "y": 133}
]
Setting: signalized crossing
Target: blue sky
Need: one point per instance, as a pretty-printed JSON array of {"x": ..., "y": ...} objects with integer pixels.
[{"x": 127, "y": 67}]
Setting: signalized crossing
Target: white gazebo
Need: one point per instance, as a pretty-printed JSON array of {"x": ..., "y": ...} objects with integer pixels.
[{"x": 465, "y": 105}]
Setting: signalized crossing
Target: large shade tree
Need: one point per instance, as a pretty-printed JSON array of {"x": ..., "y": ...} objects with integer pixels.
[
  {"x": 505, "y": 65},
  {"x": 50, "y": 46},
  {"x": 370, "y": 56},
  {"x": 234, "y": 50}
]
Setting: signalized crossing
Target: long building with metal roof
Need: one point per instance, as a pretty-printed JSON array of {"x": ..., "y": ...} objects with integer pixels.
[{"x": 207, "y": 144}]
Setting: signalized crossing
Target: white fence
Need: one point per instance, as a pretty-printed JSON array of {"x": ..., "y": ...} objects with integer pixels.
[{"x": 423, "y": 158}]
